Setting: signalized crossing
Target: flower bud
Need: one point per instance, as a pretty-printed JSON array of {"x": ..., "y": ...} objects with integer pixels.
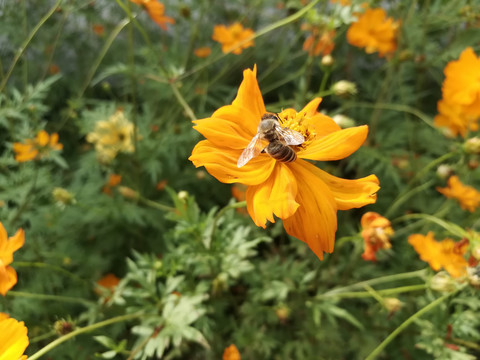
[
  {"x": 472, "y": 146},
  {"x": 392, "y": 304},
  {"x": 343, "y": 121},
  {"x": 128, "y": 193},
  {"x": 444, "y": 171},
  {"x": 344, "y": 88},
  {"x": 473, "y": 275},
  {"x": 63, "y": 197},
  {"x": 327, "y": 60},
  {"x": 183, "y": 195},
  {"x": 63, "y": 327},
  {"x": 442, "y": 282}
]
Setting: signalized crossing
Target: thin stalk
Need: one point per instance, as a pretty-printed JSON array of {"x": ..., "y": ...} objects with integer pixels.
[
  {"x": 450, "y": 227},
  {"x": 49, "y": 267},
  {"x": 402, "y": 198},
  {"x": 222, "y": 212},
  {"x": 27, "y": 41},
  {"x": 103, "y": 52},
  {"x": 366, "y": 294},
  {"x": 155, "y": 205},
  {"x": 188, "y": 110},
  {"x": 395, "y": 107},
  {"x": 85, "y": 329},
  {"x": 66, "y": 299},
  {"x": 406, "y": 323},
  {"x": 379, "y": 280}
]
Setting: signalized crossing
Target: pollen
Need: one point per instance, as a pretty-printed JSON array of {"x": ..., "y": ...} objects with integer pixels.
[{"x": 297, "y": 122}]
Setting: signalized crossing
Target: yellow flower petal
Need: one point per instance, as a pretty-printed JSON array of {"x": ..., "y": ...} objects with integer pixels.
[
  {"x": 315, "y": 221},
  {"x": 350, "y": 194},
  {"x": 229, "y": 126},
  {"x": 249, "y": 95},
  {"x": 222, "y": 164},
  {"x": 336, "y": 145},
  {"x": 274, "y": 196},
  {"x": 8, "y": 278},
  {"x": 42, "y": 138},
  {"x": 13, "y": 339},
  {"x": 311, "y": 108}
]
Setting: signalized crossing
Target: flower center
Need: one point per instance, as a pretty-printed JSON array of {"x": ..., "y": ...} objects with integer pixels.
[{"x": 297, "y": 122}]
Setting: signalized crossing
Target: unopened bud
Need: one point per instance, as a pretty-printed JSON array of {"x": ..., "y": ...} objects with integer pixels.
[
  {"x": 183, "y": 195},
  {"x": 343, "y": 121},
  {"x": 128, "y": 193},
  {"x": 476, "y": 252},
  {"x": 442, "y": 282},
  {"x": 63, "y": 327},
  {"x": 472, "y": 146},
  {"x": 327, "y": 60},
  {"x": 473, "y": 275},
  {"x": 392, "y": 304},
  {"x": 344, "y": 88},
  {"x": 444, "y": 171}
]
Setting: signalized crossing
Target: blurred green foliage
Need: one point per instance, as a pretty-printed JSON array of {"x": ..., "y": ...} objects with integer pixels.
[{"x": 196, "y": 274}]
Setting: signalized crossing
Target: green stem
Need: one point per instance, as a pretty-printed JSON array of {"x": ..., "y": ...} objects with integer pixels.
[
  {"x": 48, "y": 266},
  {"x": 188, "y": 110},
  {"x": 366, "y": 294},
  {"x": 27, "y": 41},
  {"x": 450, "y": 227},
  {"x": 259, "y": 33},
  {"x": 155, "y": 204},
  {"x": 406, "y": 323},
  {"x": 395, "y": 107},
  {"x": 85, "y": 329},
  {"x": 379, "y": 280},
  {"x": 102, "y": 54},
  {"x": 402, "y": 198},
  {"x": 220, "y": 213},
  {"x": 66, "y": 299},
  {"x": 466, "y": 343}
]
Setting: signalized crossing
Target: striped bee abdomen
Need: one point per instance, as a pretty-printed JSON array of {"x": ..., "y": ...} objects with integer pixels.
[{"x": 281, "y": 152}]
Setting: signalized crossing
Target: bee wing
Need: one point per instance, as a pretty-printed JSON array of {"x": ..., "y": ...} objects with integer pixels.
[
  {"x": 290, "y": 137},
  {"x": 254, "y": 148}
]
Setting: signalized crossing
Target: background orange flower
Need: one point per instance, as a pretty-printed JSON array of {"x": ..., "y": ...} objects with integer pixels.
[
  {"x": 467, "y": 196},
  {"x": 444, "y": 254},
  {"x": 374, "y": 31},
  {"x": 233, "y": 38},
  {"x": 13, "y": 338}
]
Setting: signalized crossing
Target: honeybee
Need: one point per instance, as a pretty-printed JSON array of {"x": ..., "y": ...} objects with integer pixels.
[{"x": 279, "y": 140}]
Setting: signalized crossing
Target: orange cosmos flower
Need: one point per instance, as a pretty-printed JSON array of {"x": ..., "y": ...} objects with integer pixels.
[
  {"x": 232, "y": 37},
  {"x": 231, "y": 353},
  {"x": 376, "y": 233},
  {"x": 8, "y": 275},
  {"x": 303, "y": 196},
  {"x": 156, "y": 10},
  {"x": 202, "y": 52},
  {"x": 13, "y": 338},
  {"x": 455, "y": 119},
  {"x": 36, "y": 148},
  {"x": 109, "y": 281},
  {"x": 319, "y": 42},
  {"x": 462, "y": 83},
  {"x": 445, "y": 254},
  {"x": 374, "y": 31},
  {"x": 467, "y": 196}
]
